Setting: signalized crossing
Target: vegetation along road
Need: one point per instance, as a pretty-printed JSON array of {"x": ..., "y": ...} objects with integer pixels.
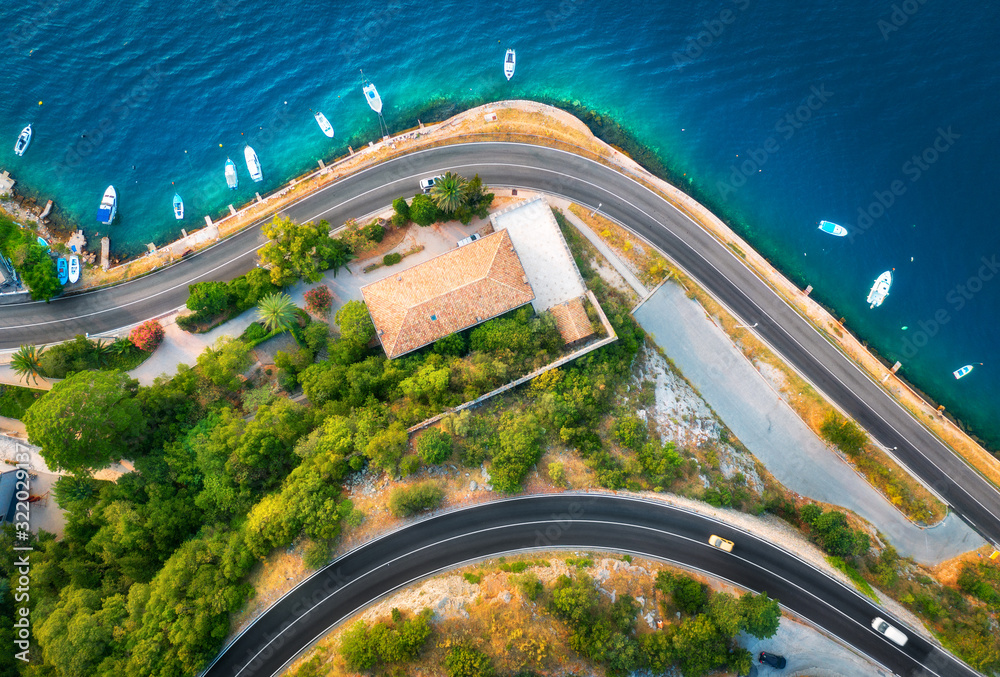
[
  {"x": 589, "y": 183},
  {"x": 566, "y": 521}
]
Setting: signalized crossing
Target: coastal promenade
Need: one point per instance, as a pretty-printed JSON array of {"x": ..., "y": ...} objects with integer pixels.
[{"x": 588, "y": 183}]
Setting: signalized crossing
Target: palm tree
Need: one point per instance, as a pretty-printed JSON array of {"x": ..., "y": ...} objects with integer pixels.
[
  {"x": 338, "y": 256},
  {"x": 277, "y": 311},
  {"x": 27, "y": 363},
  {"x": 449, "y": 192}
]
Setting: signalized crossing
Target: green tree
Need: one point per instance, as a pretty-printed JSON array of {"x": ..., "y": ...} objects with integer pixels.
[
  {"x": 301, "y": 251},
  {"x": 277, "y": 312},
  {"x": 87, "y": 421},
  {"x": 27, "y": 363},
  {"x": 402, "y": 212},
  {"x": 574, "y": 600},
  {"x": 464, "y": 661},
  {"x": 208, "y": 298},
  {"x": 740, "y": 661},
  {"x": 724, "y": 610},
  {"x": 760, "y": 615},
  {"x": 434, "y": 446},
  {"x": 355, "y": 323},
  {"x": 223, "y": 362},
  {"x": 699, "y": 647},
  {"x": 690, "y": 596},
  {"x": 423, "y": 210},
  {"x": 449, "y": 192},
  {"x": 38, "y": 271}
]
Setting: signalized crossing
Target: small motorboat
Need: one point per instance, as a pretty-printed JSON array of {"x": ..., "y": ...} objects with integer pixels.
[
  {"x": 832, "y": 228},
  {"x": 62, "y": 270},
  {"x": 109, "y": 206},
  {"x": 959, "y": 373},
  {"x": 231, "y": 177},
  {"x": 178, "y": 207},
  {"x": 324, "y": 124},
  {"x": 23, "y": 140},
  {"x": 253, "y": 164},
  {"x": 371, "y": 94},
  {"x": 509, "y": 62},
  {"x": 74, "y": 268},
  {"x": 880, "y": 289},
  {"x": 41, "y": 241}
]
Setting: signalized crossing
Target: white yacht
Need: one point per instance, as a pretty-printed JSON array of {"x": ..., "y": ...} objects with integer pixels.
[
  {"x": 23, "y": 140},
  {"x": 324, "y": 124},
  {"x": 880, "y": 289},
  {"x": 509, "y": 62},
  {"x": 253, "y": 164},
  {"x": 232, "y": 178},
  {"x": 109, "y": 206},
  {"x": 371, "y": 94}
]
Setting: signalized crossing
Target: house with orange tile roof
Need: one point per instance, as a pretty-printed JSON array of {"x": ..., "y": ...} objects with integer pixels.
[{"x": 449, "y": 293}]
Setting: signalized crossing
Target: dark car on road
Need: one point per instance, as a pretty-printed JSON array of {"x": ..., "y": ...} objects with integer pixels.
[{"x": 774, "y": 660}]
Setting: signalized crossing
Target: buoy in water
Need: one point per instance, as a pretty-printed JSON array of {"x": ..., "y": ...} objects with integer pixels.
[{"x": 905, "y": 328}]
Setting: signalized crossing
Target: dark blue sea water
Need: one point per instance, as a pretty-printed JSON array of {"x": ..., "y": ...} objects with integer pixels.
[{"x": 877, "y": 115}]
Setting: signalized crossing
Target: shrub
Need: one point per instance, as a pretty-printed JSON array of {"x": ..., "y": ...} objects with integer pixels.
[
  {"x": 365, "y": 648},
  {"x": 631, "y": 432},
  {"x": 316, "y": 336},
  {"x": 391, "y": 259},
  {"x": 409, "y": 465},
  {"x": 319, "y": 300},
  {"x": 530, "y": 586},
  {"x": 254, "y": 333},
  {"x": 423, "y": 211},
  {"x": 464, "y": 661},
  {"x": 147, "y": 336},
  {"x": 374, "y": 231},
  {"x": 846, "y": 435},
  {"x": 208, "y": 298},
  {"x": 317, "y": 555},
  {"x": 557, "y": 473},
  {"x": 401, "y": 209},
  {"x": 434, "y": 446},
  {"x": 407, "y": 501}
]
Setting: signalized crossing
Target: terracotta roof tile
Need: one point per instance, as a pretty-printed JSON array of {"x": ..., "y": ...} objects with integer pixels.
[
  {"x": 571, "y": 320},
  {"x": 449, "y": 293}
]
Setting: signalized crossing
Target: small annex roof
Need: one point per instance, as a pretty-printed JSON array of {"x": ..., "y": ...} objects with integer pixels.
[{"x": 451, "y": 292}]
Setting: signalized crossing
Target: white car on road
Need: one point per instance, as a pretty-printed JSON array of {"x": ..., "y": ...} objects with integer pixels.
[
  {"x": 427, "y": 184},
  {"x": 883, "y": 628}
]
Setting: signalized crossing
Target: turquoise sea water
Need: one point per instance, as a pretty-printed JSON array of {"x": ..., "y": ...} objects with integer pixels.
[{"x": 876, "y": 115}]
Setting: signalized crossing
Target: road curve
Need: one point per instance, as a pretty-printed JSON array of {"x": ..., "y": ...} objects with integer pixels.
[
  {"x": 557, "y": 522},
  {"x": 712, "y": 264}
]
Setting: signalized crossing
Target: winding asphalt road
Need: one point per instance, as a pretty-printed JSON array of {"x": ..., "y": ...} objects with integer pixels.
[
  {"x": 557, "y": 522},
  {"x": 588, "y": 183}
]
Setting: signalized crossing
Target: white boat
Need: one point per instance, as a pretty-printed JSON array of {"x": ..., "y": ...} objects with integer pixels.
[
  {"x": 109, "y": 205},
  {"x": 959, "y": 373},
  {"x": 231, "y": 177},
  {"x": 23, "y": 140},
  {"x": 371, "y": 94},
  {"x": 324, "y": 124},
  {"x": 178, "y": 207},
  {"x": 509, "y": 62},
  {"x": 74, "y": 268},
  {"x": 832, "y": 228},
  {"x": 253, "y": 164},
  {"x": 880, "y": 289}
]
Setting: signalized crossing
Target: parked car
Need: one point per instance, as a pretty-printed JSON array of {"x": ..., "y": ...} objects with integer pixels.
[
  {"x": 720, "y": 543},
  {"x": 469, "y": 240},
  {"x": 772, "y": 659},
  {"x": 883, "y": 628},
  {"x": 427, "y": 184}
]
